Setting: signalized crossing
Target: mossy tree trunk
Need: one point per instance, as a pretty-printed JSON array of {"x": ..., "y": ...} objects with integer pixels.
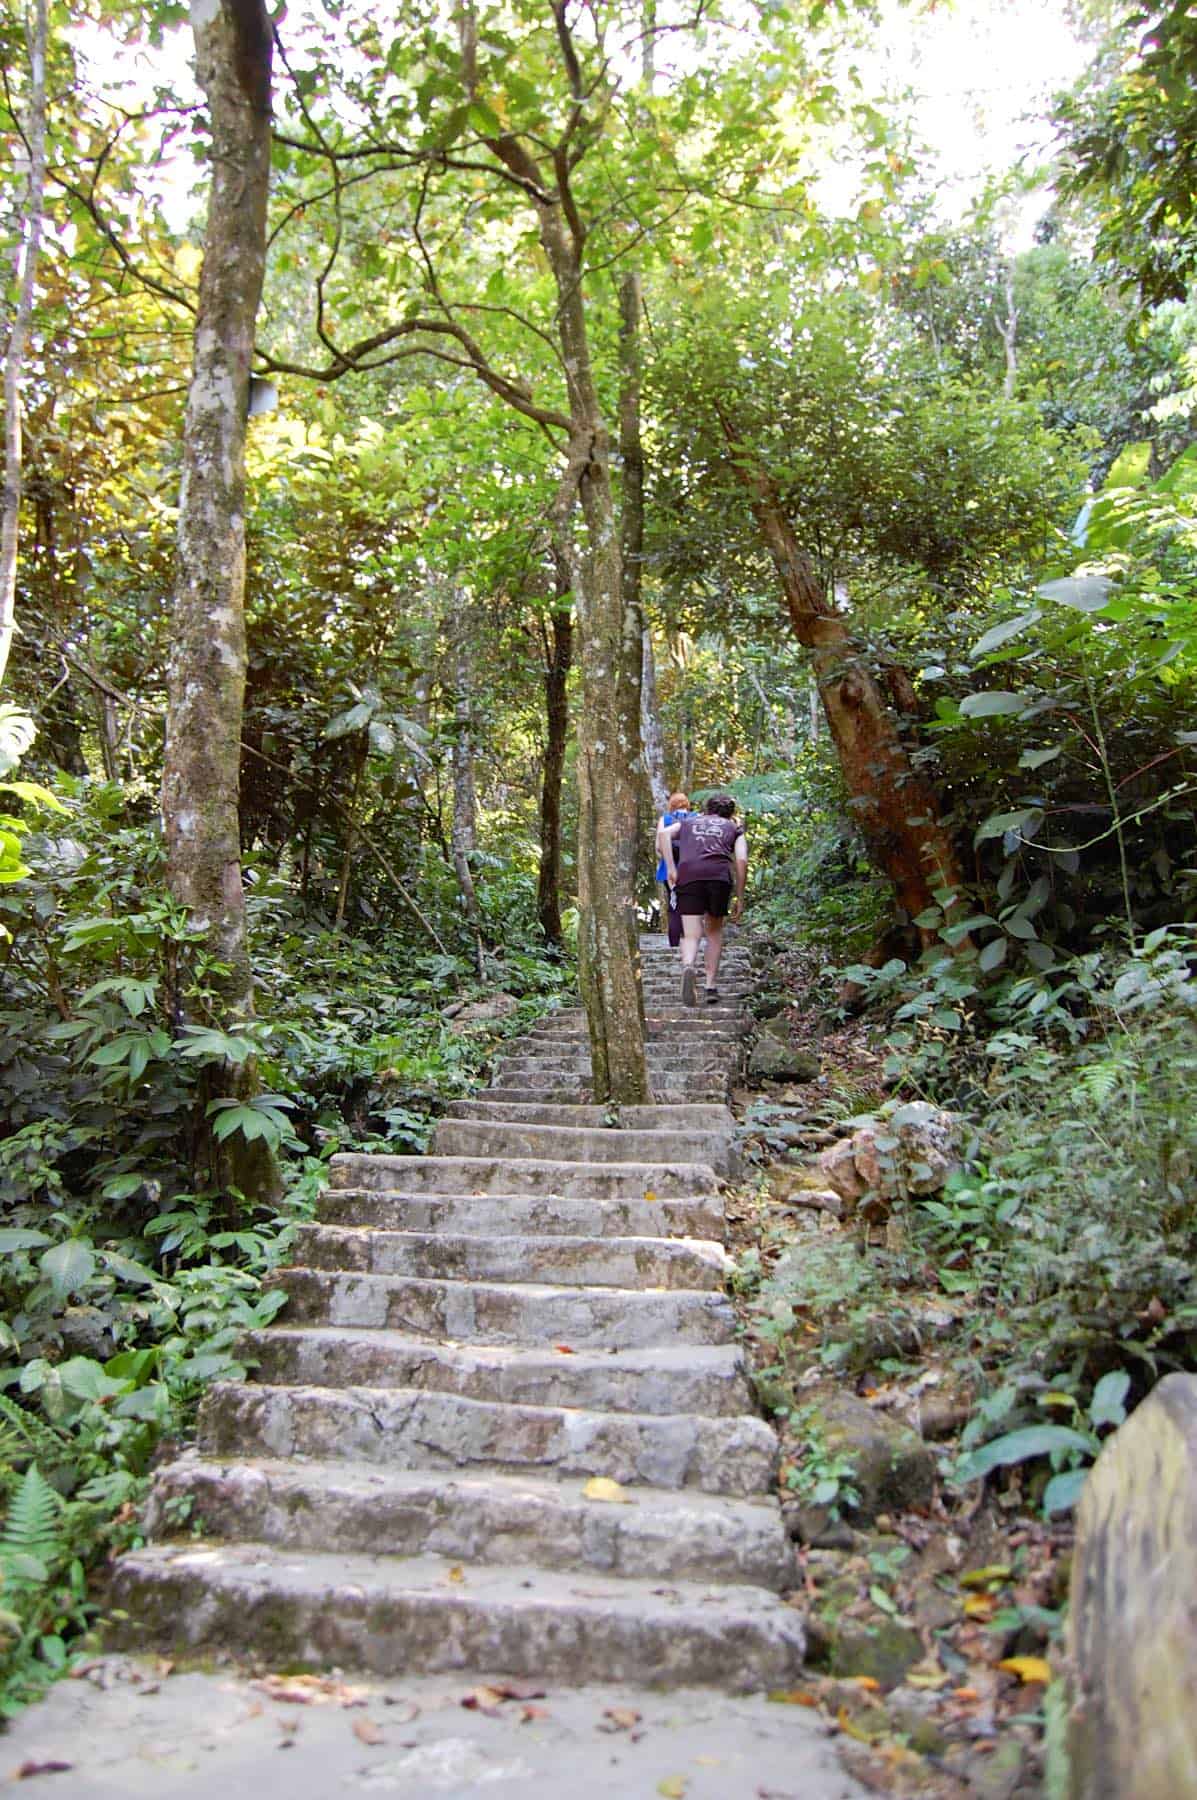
[{"x": 206, "y": 676}]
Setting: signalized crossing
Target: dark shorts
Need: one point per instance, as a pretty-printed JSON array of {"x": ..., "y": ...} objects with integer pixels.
[{"x": 696, "y": 897}]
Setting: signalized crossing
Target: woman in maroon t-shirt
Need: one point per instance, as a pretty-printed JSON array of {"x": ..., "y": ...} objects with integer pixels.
[{"x": 706, "y": 856}]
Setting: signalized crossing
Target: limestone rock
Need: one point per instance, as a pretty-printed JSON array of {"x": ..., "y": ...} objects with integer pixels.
[
  {"x": 892, "y": 1467},
  {"x": 837, "y": 1165},
  {"x": 774, "y": 1057},
  {"x": 484, "y": 1012},
  {"x": 883, "y": 1652},
  {"x": 1132, "y": 1629}
]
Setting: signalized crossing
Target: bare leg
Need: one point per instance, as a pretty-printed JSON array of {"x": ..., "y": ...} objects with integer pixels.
[
  {"x": 714, "y": 949},
  {"x": 691, "y": 936}
]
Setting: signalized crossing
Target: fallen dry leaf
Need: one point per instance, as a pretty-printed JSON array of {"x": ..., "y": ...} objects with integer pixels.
[
  {"x": 310, "y": 1690},
  {"x": 565, "y": 1349},
  {"x": 672, "y": 1787},
  {"x": 456, "y": 1573},
  {"x": 649, "y": 1195},
  {"x": 965, "y": 1693},
  {"x": 484, "y": 1700},
  {"x": 519, "y": 1690},
  {"x": 367, "y": 1732},
  {"x": 793, "y": 1697},
  {"x": 530, "y": 1713},
  {"x": 868, "y": 1682},
  {"x": 980, "y": 1606},
  {"x": 1027, "y": 1668},
  {"x": 622, "y": 1718},
  {"x": 43, "y": 1765},
  {"x": 601, "y": 1487}
]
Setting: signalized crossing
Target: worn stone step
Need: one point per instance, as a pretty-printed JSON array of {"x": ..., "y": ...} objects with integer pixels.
[
  {"x": 394, "y": 1615},
  {"x": 708, "y": 1117},
  {"x": 538, "y": 1215},
  {"x": 662, "y": 1534},
  {"x": 614, "y": 1262},
  {"x": 585, "y": 1143},
  {"x": 509, "y": 1175},
  {"x": 406, "y": 1428},
  {"x": 666, "y": 1378},
  {"x": 553, "y": 1093},
  {"x": 506, "y": 1313},
  {"x": 568, "y": 1053}
]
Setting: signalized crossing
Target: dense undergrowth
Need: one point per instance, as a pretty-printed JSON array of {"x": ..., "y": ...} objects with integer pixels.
[{"x": 126, "y": 1277}]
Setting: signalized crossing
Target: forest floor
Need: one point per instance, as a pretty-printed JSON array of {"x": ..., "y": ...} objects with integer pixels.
[{"x": 931, "y": 1609}]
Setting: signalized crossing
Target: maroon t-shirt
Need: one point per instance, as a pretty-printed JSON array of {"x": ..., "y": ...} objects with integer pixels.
[{"x": 705, "y": 848}]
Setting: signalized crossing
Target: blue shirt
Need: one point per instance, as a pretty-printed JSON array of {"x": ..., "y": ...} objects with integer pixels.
[{"x": 670, "y": 818}]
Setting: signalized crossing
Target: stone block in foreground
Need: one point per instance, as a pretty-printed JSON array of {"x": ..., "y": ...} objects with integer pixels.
[{"x": 1132, "y": 1631}]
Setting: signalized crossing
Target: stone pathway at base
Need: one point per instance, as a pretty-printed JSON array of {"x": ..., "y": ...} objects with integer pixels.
[
  {"x": 470, "y": 1338},
  {"x": 218, "y": 1737}
]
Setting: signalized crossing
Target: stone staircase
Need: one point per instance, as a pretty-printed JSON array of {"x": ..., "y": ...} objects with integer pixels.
[{"x": 470, "y": 1337}]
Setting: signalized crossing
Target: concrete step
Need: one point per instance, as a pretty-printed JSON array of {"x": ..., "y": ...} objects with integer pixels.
[
  {"x": 667, "y": 1378},
  {"x": 405, "y": 1428},
  {"x": 538, "y": 1215},
  {"x": 547, "y": 1524},
  {"x": 393, "y": 1615},
  {"x": 505, "y": 1313},
  {"x": 507, "y": 1175},
  {"x": 585, "y": 1143},
  {"x": 614, "y": 1262},
  {"x": 712, "y": 1117}
]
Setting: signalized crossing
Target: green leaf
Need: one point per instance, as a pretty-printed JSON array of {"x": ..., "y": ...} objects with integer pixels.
[
  {"x": 1035, "y": 759},
  {"x": 69, "y": 1266},
  {"x": 1001, "y": 634},
  {"x": 998, "y": 824},
  {"x": 991, "y": 704},
  {"x": 15, "y": 1239},
  {"x": 993, "y": 955},
  {"x": 1108, "y": 1405},
  {"x": 84, "y": 1379},
  {"x": 1084, "y": 593},
  {"x": 1129, "y": 468},
  {"x": 1022, "y": 1446},
  {"x": 1063, "y": 1491}
]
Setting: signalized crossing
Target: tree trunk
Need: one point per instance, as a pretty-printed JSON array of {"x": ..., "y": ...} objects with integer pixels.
[
  {"x": 609, "y": 630},
  {"x": 558, "y": 660},
  {"x": 896, "y": 809},
  {"x": 25, "y": 270},
  {"x": 464, "y": 836},
  {"x": 206, "y": 676}
]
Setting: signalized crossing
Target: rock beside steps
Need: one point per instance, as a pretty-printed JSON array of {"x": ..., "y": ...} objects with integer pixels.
[{"x": 470, "y": 1338}]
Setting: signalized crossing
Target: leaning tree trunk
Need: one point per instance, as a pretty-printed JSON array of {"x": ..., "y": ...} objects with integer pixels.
[
  {"x": 25, "y": 269},
  {"x": 206, "y": 676},
  {"x": 559, "y": 652},
  {"x": 896, "y": 808}
]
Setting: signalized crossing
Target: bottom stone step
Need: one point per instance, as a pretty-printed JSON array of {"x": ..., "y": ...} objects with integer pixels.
[{"x": 426, "y": 1613}]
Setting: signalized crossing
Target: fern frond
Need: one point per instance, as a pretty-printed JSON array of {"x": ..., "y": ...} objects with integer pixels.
[
  {"x": 26, "y": 1438},
  {"x": 32, "y": 1526}
]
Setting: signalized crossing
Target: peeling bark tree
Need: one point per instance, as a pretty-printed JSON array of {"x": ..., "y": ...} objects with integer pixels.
[
  {"x": 206, "y": 677},
  {"x": 25, "y": 269},
  {"x": 896, "y": 809}
]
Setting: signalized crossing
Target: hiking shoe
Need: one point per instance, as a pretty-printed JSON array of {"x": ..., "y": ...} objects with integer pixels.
[
  {"x": 712, "y": 996},
  {"x": 689, "y": 988}
]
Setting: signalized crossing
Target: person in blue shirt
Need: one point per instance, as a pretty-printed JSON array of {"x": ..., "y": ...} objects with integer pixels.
[{"x": 679, "y": 808}]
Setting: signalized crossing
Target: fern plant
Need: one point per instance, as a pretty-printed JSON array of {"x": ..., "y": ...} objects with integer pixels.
[{"x": 32, "y": 1541}]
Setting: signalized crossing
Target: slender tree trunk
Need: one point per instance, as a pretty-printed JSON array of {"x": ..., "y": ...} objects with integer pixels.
[
  {"x": 1008, "y": 332},
  {"x": 25, "y": 270},
  {"x": 558, "y": 660},
  {"x": 206, "y": 676},
  {"x": 896, "y": 808},
  {"x": 464, "y": 838}
]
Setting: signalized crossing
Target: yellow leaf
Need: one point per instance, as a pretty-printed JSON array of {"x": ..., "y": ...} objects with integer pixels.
[
  {"x": 1054, "y": 1398},
  {"x": 980, "y": 1606},
  {"x": 979, "y": 1578},
  {"x": 456, "y": 1573},
  {"x": 672, "y": 1787},
  {"x": 1027, "y": 1668},
  {"x": 649, "y": 1195},
  {"x": 601, "y": 1487},
  {"x": 793, "y": 1697}
]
